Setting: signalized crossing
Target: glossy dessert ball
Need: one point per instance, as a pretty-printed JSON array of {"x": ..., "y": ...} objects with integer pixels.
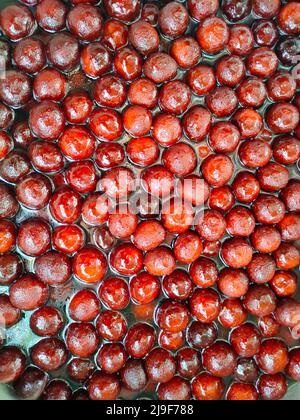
[{"x": 149, "y": 200}]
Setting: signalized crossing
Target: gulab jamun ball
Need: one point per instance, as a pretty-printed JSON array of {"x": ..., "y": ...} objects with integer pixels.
[{"x": 149, "y": 200}]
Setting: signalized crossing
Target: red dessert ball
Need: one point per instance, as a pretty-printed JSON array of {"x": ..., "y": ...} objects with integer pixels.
[
  {"x": 127, "y": 260},
  {"x": 29, "y": 55},
  {"x": 68, "y": 239},
  {"x": 207, "y": 387},
  {"x": 109, "y": 155},
  {"x": 233, "y": 314},
  {"x": 143, "y": 92},
  {"x": 65, "y": 205},
  {"x": 111, "y": 358},
  {"x": 17, "y": 22},
  {"x": 34, "y": 191},
  {"x": 178, "y": 285},
  {"x": 160, "y": 366},
  {"x": 85, "y": 22},
  {"x": 283, "y": 118},
  {"x": 160, "y": 68},
  {"x": 172, "y": 316},
  {"x": 140, "y": 340},
  {"x": 49, "y": 85},
  {"x": 47, "y": 121},
  {"x": 273, "y": 356},
  {"x": 122, "y": 223},
  {"x": 149, "y": 200},
  {"x": 114, "y": 293},
  {"x": 115, "y": 34},
  {"x": 242, "y": 392},
  {"x": 188, "y": 247},
  {"x": 103, "y": 386},
  {"x": 53, "y": 268},
  {"x": 144, "y": 288},
  {"x": 260, "y": 301},
  {"x": 289, "y": 18},
  {"x": 111, "y": 325},
  {"x": 84, "y": 306},
  {"x": 126, "y": 12},
  {"x": 90, "y": 265},
  {"x": 160, "y": 262},
  {"x": 12, "y": 364},
  {"x": 220, "y": 359},
  {"x": 28, "y": 293},
  {"x": 158, "y": 181},
  {"x": 95, "y": 60},
  {"x": 217, "y": 170},
  {"x": 201, "y": 9},
  {"x": 167, "y": 129},
  {"x": 294, "y": 364},
  {"x": 63, "y": 51},
  {"x": 241, "y": 40},
  {"x": 137, "y": 120},
  {"x": 233, "y": 283},
  {"x": 272, "y": 387},
  {"x": 47, "y": 321},
  {"x": 78, "y": 107},
  {"x": 51, "y": 15},
  {"x": 34, "y": 237},
  {"x": 144, "y": 37},
  {"x": 205, "y": 305},
  {"x": 128, "y": 64},
  {"x": 82, "y": 339},
  {"x": 175, "y": 97},
  {"x": 197, "y": 123},
  {"x": 213, "y": 35},
  {"x": 173, "y": 20},
  {"x": 10, "y": 315},
  {"x": 201, "y": 79}
]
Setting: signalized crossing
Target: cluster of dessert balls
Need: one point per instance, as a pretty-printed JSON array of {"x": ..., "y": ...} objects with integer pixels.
[{"x": 149, "y": 199}]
